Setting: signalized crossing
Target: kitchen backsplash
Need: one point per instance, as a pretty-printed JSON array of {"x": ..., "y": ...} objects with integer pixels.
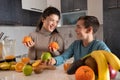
[{"x": 18, "y": 32}]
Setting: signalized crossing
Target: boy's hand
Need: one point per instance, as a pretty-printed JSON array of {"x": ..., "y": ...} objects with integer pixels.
[{"x": 52, "y": 61}]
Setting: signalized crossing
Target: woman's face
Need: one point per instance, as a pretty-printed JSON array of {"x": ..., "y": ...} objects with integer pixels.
[
  {"x": 50, "y": 22},
  {"x": 80, "y": 30}
]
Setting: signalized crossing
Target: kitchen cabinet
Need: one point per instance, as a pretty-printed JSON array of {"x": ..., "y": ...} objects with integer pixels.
[
  {"x": 6, "y": 12},
  {"x": 111, "y": 29},
  {"x": 113, "y": 4},
  {"x": 73, "y": 5},
  {"x": 39, "y": 5},
  {"x": 11, "y": 13}
]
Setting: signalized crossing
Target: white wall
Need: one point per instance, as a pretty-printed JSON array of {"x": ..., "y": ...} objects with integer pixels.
[
  {"x": 55, "y": 3},
  {"x": 95, "y": 8}
]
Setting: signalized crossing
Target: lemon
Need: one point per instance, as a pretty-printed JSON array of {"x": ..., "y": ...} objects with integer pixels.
[
  {"x": 27, "y": 70},
  {"x": 46, "y": 56}
]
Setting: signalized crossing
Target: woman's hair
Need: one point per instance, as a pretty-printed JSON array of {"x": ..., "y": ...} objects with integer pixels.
[
  {"x": 47, "y": 12},
  {"x": 90, "y": 21}
]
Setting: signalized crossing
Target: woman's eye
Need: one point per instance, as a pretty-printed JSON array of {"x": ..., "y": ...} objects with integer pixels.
[{"x": 50, "y": 19}]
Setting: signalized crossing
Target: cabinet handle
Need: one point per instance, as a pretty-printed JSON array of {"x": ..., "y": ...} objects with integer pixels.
[
  {"x": 36, "y": 9},
  {"x": 70, "y": 10},
  {"x": 77, "y": 9}
]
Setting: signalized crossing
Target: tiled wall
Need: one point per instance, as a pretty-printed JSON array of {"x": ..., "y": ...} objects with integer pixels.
[
  {"x": 18, "y": 32},
  {"x": 68, "y": 33}
]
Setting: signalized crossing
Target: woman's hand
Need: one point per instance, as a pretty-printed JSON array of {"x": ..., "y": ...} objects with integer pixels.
[
  {"x": 51, "y": 61},
  {"x": 52, "y": 50},
  {"x": 29, "y": 44}
]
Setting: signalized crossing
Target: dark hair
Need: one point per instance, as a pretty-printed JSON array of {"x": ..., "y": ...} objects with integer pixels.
[
  {"x": 90, "y": 21},
  {"x": 47, "y": 12}
]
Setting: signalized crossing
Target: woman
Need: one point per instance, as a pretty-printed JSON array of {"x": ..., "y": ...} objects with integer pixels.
[{"x": 45, "y": 33}]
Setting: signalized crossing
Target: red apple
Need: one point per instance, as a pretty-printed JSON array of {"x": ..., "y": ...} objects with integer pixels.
[{"x": 113, "y": 72}]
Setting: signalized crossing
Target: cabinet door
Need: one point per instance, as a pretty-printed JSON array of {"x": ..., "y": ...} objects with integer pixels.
[
  {"x": 73, "y": 5},
  {"x": 7, "y": 16},
  {"x": 67, "y": 6},
  {"x": 111, "y": 27},
  {"x": 80, "y": 5},
  {"x": 37, "y": 5}
]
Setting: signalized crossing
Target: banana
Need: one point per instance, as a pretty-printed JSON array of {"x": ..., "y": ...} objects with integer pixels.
[
  {"x": 103, "y": 71},
  {"x": 112, "y": 59}
]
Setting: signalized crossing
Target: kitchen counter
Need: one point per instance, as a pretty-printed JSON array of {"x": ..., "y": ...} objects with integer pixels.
[{"x": 57, "y": 74}]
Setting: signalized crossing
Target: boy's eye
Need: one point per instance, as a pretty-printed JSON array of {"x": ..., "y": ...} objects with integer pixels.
[{"x": 77, "y": 26}]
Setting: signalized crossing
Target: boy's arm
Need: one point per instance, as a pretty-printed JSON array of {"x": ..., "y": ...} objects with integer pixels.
[{"x": 66, "y": 55}]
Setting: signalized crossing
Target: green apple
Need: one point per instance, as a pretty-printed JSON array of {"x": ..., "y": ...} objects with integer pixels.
[
  {"x": 27, "y": 70},
  {"x": 46, "y": 56}
]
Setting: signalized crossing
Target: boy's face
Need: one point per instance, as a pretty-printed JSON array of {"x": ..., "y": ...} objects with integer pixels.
[{"x": 81, "y": 31}]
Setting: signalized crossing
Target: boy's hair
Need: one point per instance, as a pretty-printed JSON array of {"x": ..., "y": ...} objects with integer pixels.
[{"x": 90, "y": 21}]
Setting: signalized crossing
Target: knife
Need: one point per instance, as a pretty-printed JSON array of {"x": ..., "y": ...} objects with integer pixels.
[{"x": 1, "y": 35}]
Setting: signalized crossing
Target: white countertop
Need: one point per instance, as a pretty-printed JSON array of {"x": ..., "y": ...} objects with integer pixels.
[{"x": 58, "y": 74}]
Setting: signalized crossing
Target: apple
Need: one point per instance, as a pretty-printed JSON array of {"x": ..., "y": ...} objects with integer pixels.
[
  {"x": 46, "y": 56},
  {"x": 112, "y": 71},
  {"x": 27, "y": 70}
]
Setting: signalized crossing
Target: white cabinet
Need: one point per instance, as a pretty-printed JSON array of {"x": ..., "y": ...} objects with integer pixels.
[
  {"x": 34, "y": 5},
  {"x": 39, "y": 5}
]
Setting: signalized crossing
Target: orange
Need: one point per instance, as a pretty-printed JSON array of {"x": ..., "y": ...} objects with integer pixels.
[
  {"x": 36, "y": 63},
  {"x": 25, "y": 60},
  {"x": 54, "y": 45},
  {"x": 19, "y": 66},
  {"x": 27, "y": 39},
  {"x": 10, "y": 57},
  {"x": 84, "y": 73}
]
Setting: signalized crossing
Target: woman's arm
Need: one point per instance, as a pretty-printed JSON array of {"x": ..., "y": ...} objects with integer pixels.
[{"x": 57, "y": 38}]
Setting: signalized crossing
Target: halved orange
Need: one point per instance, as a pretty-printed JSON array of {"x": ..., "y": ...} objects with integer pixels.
[
  {"x": 25, "y": 60},
  {"x": 10, "y": 57},
  {"x": 36, "y": 63},
  {"x": 19, "y": 66}
]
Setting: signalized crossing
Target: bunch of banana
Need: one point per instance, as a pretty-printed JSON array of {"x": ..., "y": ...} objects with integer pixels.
[
  {"x": 112, "y": 59},
  {"x": 103, "y": 71},
  {"x": 103, "y": 58}
]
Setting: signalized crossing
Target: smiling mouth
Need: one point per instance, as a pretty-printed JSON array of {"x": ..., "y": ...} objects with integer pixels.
[{"x": 52, "y": 27}]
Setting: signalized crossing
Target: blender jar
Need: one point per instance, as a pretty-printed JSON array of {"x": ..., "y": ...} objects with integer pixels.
[{"x": 9, "y": 49}]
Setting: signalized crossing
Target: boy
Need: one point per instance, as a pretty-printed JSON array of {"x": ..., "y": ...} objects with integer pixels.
[{"x": 86, "y": 27}]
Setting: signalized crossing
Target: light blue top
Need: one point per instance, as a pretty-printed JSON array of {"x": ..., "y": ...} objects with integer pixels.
[{"x": 77, "y": 50}]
